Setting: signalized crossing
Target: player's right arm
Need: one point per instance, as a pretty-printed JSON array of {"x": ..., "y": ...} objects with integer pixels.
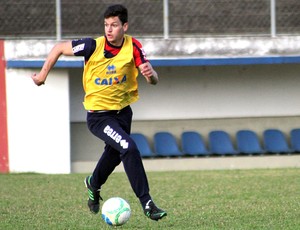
[{"x": 62, "y": 48}]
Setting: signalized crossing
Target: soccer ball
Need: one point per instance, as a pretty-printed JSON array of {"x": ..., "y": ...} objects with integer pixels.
[{"x": 116, "y": 211}]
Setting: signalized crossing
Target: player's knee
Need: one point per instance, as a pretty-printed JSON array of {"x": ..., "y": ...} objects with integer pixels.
[{"x": 131, "y": 148}]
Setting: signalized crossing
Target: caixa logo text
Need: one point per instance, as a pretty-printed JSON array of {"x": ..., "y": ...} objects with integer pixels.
[{"x": 111, "y": 80}]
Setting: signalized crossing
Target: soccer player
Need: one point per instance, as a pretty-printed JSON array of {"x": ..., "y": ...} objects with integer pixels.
[{"x": 109, "y": 81}]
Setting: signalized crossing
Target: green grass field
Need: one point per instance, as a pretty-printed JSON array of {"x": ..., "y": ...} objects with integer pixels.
[{"x": 227, "y": 199}]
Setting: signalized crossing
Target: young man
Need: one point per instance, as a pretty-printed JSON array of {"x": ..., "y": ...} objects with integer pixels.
[{"x": 109, "y": 81}]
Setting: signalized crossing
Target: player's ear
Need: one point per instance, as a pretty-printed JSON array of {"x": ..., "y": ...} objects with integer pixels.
[{"x": 125, "y": 26}]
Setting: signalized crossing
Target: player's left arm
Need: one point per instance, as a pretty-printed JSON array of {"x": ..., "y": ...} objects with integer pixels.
[{"x": 143, "y": 64}]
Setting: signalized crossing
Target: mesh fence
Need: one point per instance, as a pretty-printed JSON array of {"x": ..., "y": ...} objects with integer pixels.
[{"x": 37, "y": 18}]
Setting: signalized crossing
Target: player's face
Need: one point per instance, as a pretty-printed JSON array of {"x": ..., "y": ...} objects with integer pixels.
[{"x": 114, "y": 30}]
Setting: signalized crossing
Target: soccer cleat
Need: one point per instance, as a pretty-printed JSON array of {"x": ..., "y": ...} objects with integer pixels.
[
  {"x": 153, "y": 212},
  {"x": 94, "y": 196}
]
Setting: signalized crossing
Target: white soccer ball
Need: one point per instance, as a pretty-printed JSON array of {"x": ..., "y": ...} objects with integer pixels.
[{"x": 116, "y": 211}]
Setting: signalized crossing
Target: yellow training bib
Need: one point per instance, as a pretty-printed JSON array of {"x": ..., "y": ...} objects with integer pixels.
[{"x": 110, "y": 83}]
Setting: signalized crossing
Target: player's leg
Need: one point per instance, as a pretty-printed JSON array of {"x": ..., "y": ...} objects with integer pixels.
[
  {"x": 137, "y": 177},
  {"x": 134, "y": 169},
  {"x": 108, "y": 161},
  {"x": 105, "y": 166}
]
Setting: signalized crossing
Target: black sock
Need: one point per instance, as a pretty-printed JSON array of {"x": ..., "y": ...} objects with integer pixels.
[{"x": 144, "y": 199}]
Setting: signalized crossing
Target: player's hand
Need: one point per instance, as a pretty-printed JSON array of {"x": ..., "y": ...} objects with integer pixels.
[
  {"x": 149, "y": 73},
  {"x": 146, "y": 70},
  {"x": 37, "y": 79}
]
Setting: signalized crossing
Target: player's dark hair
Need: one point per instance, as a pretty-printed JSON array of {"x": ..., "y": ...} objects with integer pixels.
[{"x": 117, "y": 10}]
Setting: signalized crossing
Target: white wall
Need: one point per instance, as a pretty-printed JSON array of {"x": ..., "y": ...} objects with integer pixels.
[
  {"x": 221, "y": 92},
  {"x": 38, "y": 122}
]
